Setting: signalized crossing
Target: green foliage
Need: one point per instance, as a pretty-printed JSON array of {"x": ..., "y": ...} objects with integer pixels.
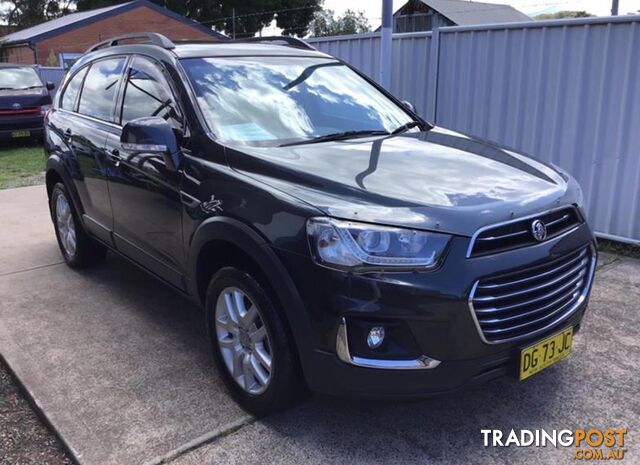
[
  {"x": 52, "y": 59},
  {"x": 325, "y": 23},
  {"x": 293, "y": 16},
  {"x": 84, "y": 5},
  {"x": 563, "y": 14},
  {"x": 26, "y": 13}
]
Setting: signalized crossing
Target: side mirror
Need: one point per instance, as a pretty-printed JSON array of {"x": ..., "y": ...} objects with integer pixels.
[
  {"x": 50, "y": 85},
  {"x": 152, "y": 135},
  {"x": 409, "y": 106}
]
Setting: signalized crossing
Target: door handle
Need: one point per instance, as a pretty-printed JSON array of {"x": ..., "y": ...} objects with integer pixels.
[
  {"x": 114, "y": 155},
  {"x": 68, "y": 133}
]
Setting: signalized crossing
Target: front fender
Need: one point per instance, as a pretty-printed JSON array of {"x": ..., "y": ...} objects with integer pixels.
[{"x": 227, "y": 229}]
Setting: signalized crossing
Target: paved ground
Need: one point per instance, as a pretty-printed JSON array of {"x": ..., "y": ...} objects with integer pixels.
[{"x": 119, "y": 365}]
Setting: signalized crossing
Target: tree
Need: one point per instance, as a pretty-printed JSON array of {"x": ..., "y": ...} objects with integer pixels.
[
  {"x": 26, "y": 13},
  {"x": 293, "y": 16},
  {"x": 325, "y": 23},
  {"x": 563, "y": 14},
  {"x": 84, "y": 5}
]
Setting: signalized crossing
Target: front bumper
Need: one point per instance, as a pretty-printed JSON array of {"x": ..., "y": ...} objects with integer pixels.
[
  {"x": 33, "y": 124},
  {"x": 429, "y": 315}
]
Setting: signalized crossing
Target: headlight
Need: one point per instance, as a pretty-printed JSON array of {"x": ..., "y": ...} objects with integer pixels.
[
  {"x": 349, "y": 245},
  {"x": 44, "y": 109}
]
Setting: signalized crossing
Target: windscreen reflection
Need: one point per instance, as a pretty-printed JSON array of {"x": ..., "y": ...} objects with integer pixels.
[{"x": 275, "y": 100}]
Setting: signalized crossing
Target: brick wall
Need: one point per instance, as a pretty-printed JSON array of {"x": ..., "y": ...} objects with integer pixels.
[
  {"x": 20, "y": 54},
  {"x": 142, "y": 19}
]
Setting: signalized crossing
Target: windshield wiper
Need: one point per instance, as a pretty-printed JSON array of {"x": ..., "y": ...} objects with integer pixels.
[
  {"x": 405, "y": 127},
  {"x": 339, "y": 136}
]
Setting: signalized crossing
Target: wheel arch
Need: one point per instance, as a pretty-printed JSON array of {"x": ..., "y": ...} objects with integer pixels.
[
  {"x": 232, "y": 237},
  {"x": 55, "y": 172}
]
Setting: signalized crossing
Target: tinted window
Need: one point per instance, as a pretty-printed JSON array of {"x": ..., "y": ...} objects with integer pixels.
[
  {"x": 19, "y": 78},
  {"x": 267, "y": 101},
  {"x": 147, "y": 93},
  {"x": 72, "y": 89},
  {"x": 100, "y": 86}
]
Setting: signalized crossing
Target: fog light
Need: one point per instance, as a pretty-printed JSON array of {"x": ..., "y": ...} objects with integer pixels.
[{"x": 375, "y": 337}]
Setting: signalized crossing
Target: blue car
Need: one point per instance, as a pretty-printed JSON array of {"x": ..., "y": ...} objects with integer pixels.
[{"x": 24, "y": 100}]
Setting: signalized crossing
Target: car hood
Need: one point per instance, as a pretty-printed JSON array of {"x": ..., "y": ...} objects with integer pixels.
[{"x": 437, "y": 180}]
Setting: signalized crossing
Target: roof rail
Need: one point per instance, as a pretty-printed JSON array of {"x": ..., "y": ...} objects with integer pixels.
[
  {"x": 290, "y": 41},
  {"x": 152, "y": 37}
]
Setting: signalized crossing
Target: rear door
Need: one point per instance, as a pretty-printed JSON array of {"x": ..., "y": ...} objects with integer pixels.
[
  {"x": 85, "y": 130},
  {"x": 145, "y": 194}
]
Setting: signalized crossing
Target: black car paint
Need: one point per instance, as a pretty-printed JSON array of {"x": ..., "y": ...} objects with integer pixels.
[{"x": 259, "y": 200}]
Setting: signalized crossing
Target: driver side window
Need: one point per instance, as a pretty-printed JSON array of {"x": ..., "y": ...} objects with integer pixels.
[{"x": 147, "y": 93}]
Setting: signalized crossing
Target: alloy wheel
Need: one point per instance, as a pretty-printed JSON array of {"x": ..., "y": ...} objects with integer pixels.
[
  {"x": 66, "y": 226},
  {"x": 243, "y": 340}
]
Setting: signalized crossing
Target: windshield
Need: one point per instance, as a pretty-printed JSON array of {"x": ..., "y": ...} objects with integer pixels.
[
  {"x": 19, "y": 78},
  {"x": 277, "y": 100}
]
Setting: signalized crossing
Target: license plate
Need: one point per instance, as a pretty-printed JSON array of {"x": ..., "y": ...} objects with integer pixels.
[
  {"x": 20, "y": 133},
  {"x": 542, "y": 354}
]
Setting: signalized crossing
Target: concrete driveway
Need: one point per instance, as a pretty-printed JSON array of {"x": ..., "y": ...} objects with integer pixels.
[{"x": 119, "y": 365}]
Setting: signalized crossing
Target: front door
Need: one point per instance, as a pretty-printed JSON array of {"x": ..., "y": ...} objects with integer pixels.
[{"x": 145, "y": 193}]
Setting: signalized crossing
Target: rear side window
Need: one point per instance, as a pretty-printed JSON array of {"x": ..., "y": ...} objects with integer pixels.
[
  {"x": 147, "y": 93},
  {"x": 100, "y": 87},
  {"x": 71, "y": 91}
]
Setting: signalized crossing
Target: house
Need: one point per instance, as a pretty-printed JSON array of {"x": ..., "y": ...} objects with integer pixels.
[
  {"x": 60, "y": 41},
  {"x": 425, "y": 15}
]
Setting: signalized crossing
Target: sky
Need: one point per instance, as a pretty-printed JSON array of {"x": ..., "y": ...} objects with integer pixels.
[{"x": 373, "y": 8}]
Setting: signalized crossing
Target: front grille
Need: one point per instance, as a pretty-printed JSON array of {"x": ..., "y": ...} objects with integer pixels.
[
  {"x": 524, "y": 303},
  {"x": 29, "y": 111},
  {"x": 518, "y": 233}
]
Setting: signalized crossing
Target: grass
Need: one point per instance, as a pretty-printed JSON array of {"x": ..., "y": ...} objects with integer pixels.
[{"x": 21, "y": 165}]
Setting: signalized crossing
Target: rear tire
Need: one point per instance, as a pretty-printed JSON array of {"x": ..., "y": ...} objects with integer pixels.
[
  {"x": 78, "y": 249},
  {"x": 251, "y": 346}
]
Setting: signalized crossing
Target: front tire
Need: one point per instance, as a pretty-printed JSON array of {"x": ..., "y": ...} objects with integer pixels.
[
  {"x": 251, "y": 345},
  {"x": 78, "y": 249}
]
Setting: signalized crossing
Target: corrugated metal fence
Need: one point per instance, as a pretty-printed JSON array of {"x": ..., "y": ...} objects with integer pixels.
[
  {"x": 566, "y": 92},
  {"x": 54, "y": 75}
]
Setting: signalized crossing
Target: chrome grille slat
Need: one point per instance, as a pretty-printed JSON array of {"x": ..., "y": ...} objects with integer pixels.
[
  {"x": 572, "y": 293},
  {"x": 490, "y": 310},
  {"x": 561, "y": 267},
  {"x": 517, "y": 233},
  {"x": 528, "y": 323},
  {"x": 559, "y": 220},
  {"x": 536, "y": 288},
  {"x": 516, "y": 305},
  {"x": 504, "y": 236}
]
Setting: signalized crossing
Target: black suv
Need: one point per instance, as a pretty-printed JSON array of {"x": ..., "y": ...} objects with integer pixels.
[
  {"x": 334, "y": 238},
  {"x": 24, "y": 100}
]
